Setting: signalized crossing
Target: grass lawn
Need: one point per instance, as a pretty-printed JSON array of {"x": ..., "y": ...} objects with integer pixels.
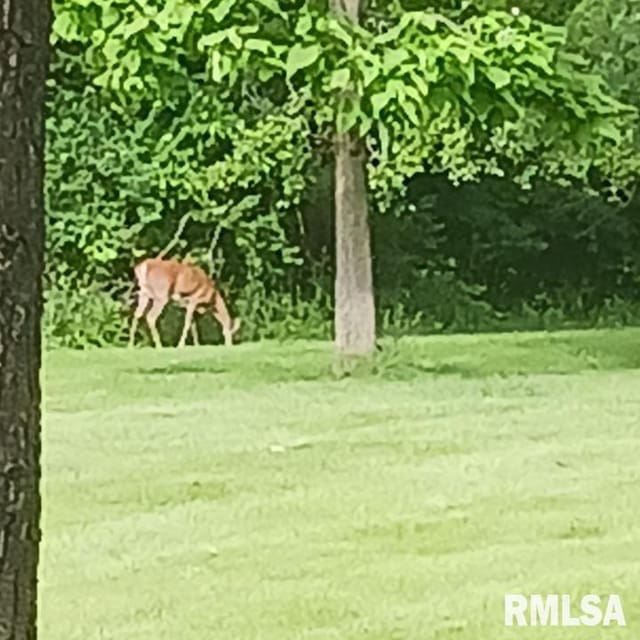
[{"x": 214, "y": 494}]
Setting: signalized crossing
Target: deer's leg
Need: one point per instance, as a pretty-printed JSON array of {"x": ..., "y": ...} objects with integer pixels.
[
  {"x": 222, "y": 320},
  {"x": 188, "y": 323},
  {"x": 229, "y": 326},
  {"x": 152, "y": 317},
  {"x": 143, "y": 303},
  {"x": 194, "y": 333},
  {"x": 221, "y": 314}
]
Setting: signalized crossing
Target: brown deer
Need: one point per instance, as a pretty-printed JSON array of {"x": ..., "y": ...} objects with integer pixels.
[{"x": 160, "y": 280}]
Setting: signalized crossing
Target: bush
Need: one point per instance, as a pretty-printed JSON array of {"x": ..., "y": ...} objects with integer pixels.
[{"x": 81, "y": 317}]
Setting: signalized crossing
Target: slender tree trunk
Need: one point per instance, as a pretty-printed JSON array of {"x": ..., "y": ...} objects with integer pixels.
[
  {"x": 24, "y": 34},
  {"x": 355, "y": 317}
]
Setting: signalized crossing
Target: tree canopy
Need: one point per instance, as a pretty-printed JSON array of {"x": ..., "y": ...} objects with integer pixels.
[
  {"x": 214, "y": 121},
  {"x": 492, "y": 93}
]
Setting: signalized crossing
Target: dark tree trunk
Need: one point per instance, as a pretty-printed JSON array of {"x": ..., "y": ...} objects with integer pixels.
[
  {"x": 355, "y": 321},
  {"x": 24, "y": 34}
]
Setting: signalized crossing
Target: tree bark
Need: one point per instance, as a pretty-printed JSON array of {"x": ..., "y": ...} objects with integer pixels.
[
  {"x": 355, "y": 315},
  {"x": 24, "y": 34}
]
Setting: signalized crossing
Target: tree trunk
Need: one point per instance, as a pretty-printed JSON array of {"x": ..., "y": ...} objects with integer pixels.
[
  {"x": 24, "y": 34},
  {"x": 355, "y": 315}
]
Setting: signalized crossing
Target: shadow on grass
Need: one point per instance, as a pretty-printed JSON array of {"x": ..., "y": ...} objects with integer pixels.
[
  {"x": 184, "y": 367},
  {"x": 259, "y": 367},
  {"x": 414, "y": 358}
]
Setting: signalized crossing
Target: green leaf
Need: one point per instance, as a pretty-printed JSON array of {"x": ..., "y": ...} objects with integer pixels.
[
  {"x": 131, "y": 61},
  {"x": 157, "y": 44},
  {"x": 272, "y": 5},
  {"x": 499, "y": 77},
  {"x": 390, "y": 35},
  {"x": 608, "y": 130},
  {"x": 340, "y": 79},
  {"x": 139, "y": 23},
  {"x": 304, "y": 25},
  {"x": 213, "y": 39},
  {"x": 511, "y": 101},
  {"x": 222, "y": 9},
  {"x": 98, "y": 37},
  {"x": 255, "y": 44},
  {"x": 470, "y": 71},
  {"x": 103, "y": 79},
  {"x": 554, "y": 34},
  {"x": 421, "y": 84},
  {"x": 461, "y": 53},
  {"x": 265, "y": 74},
  {"x": 234, "y": 38},
  {"x": 539, "y": 61},
  {"x": 220, "y": 66},
  {"x": 369, "y": 73},
  {"x": 385, "y": 142},
  {"x": 301, "y": 57},
  {"x": 411, "y": 111},
  {"x": 394, "y": 58},
  {"x": 380, "y": 100},
  {"x": 338, "y": 31},
  {"x": 63, "y": 26},
  {"x": 429, "y": 20},
  {"x": 110, "y": 16},
  {"x": 573, "y": 58},
  {"x": 366, "y": 124},
  {"x": 111, "y": 49},
  {"x": 413, "y": 93},
  {"x": 133, "y": 83}
]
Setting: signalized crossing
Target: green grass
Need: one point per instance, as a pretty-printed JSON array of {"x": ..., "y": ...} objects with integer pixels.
[{"x": 254, "y": 494}]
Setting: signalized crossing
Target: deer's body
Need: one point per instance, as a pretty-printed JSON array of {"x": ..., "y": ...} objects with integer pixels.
[{"x": 160, "y": 281}]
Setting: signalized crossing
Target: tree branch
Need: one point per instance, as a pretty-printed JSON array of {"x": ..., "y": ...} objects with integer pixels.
[{"x": 176, "y": 236}]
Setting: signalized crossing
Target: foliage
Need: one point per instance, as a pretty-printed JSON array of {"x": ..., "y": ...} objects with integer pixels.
[
  {"x": 504, "y": 98},
  {"x": 477, "y": 256},
  {"x": 606, "y": 33},
  {"x": 199, "y": 147},
  {"x": 102, "y": 187},
  {"x": 548, "y": 11},
  {"x": 207, "y": 125},
  {"x": 82, "y": 316},
  {"x": 464, "y": 97}
]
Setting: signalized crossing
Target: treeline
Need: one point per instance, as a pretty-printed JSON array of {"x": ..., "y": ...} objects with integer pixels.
[{"x": 249, "y": 193}]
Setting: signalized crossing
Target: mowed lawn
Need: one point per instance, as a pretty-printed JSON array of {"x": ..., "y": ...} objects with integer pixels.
[{"x": 253, "y": 494}]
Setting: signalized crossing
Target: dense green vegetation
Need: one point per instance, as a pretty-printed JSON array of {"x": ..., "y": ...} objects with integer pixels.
[
  {"x": 253, "y": 493},
  {"x": 155, "y": 135}
]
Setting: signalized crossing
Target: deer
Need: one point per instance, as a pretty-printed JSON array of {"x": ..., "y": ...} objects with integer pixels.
[{"x": 161, "y": 280}]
